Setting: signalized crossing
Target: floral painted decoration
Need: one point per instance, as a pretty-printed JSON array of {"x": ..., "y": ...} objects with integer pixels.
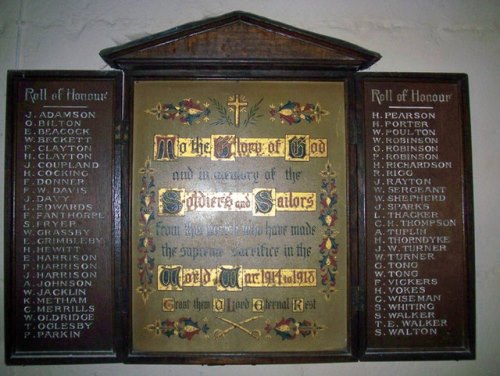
[
  {"x": 290, "y": 328},
  {"x": 187, "y": 111},
  {"x": 183, "y": 328},
  {"x": 294, "y": 113},
  {"x": 329, "y": 247},
  {"x": 146, "y": 246}
]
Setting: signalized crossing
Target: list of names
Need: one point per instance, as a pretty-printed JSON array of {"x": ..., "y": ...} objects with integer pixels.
[
  {"x": 63, "y": 215},
  {"x": 414, "y": 241}
]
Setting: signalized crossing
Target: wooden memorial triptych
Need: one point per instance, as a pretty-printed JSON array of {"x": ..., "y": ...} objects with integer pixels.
[{"x": 236, "y": 191}]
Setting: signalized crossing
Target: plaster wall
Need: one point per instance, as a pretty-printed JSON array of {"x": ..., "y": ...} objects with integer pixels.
[{"x": 412, "y": 35}]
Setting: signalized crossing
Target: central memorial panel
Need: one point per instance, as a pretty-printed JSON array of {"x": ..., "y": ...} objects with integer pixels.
[{"x": 239, "y": 220}]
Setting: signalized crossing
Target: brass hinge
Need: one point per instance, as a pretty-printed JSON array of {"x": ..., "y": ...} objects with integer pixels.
[
  {"x": 358, "y": 299},
  {"x": 121, "y": 131}
]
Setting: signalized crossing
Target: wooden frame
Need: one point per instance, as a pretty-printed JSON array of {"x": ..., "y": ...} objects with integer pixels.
[
  {"x": 443, "y": 134},
  {"x": 181, "y": 85},
  {"x": 232, "y": 356},
  {"x": 278, "y": 53},
  {"x": 42, "y": 103}
]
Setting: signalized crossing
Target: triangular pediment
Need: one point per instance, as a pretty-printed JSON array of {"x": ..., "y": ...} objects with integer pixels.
[{"x": 238, "y": 39}]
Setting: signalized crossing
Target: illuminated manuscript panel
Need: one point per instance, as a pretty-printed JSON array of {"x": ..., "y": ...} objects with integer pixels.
[{"x": 239, "y": 217}]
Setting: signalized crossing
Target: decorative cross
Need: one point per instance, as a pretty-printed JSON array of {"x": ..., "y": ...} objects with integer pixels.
[{"x": 237, "y": 104}]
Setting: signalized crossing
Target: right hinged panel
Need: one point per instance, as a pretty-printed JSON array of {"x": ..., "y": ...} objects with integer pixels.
[{"x": 416, "y": 219}]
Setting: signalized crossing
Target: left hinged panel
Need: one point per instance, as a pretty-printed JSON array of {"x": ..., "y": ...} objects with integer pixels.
[{"x": 62, "y": 225}]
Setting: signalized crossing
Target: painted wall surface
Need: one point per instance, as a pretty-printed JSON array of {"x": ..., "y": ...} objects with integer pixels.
[{"x": 412, "y": 35}]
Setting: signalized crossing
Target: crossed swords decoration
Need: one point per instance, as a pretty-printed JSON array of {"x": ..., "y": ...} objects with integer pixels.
[{"x": 219, "y": 333}]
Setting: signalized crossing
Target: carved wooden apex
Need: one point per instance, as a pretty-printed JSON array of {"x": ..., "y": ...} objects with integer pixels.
[{"x": 241, "y": 41}]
